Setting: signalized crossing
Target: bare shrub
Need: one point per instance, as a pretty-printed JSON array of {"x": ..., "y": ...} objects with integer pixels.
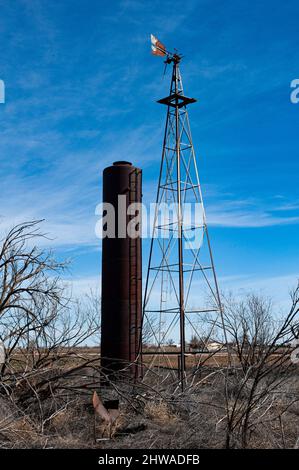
[
  {"x": 40, "y": 328},
  {"x": 259, "y": 385}
]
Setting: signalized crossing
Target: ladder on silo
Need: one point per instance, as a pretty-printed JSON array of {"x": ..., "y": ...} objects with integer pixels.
[{"x": 133, "y": 275}]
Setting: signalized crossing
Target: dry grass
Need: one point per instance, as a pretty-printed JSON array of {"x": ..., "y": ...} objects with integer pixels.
[
  {"x": 16, "y": 430},
  {"x": 160, "y": 413},
  {"x": 150, "y": 418}
]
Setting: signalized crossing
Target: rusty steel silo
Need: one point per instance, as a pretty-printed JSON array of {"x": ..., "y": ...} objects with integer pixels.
[{"x": 121, "y": 275}]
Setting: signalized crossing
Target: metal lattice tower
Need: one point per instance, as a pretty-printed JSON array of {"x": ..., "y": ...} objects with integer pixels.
[{"x": 181, "y": 296}]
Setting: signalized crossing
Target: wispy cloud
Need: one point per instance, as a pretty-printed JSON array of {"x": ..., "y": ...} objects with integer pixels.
[
  {"x": 225, "y": 209},
  {"x": 78, "y": 287},
  {"x": 276, "y": 288},
  {"x": 236, "y": 215}
]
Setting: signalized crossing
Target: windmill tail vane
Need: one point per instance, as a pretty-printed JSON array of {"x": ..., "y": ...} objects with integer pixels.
[{"x": 159, "y": 49}]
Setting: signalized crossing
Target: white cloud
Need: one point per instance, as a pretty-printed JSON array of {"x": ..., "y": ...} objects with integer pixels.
[
  {"x": 79, "y": 287},
  {"x": 276, "y": 288},
  {"x": 225, "y": 209}
]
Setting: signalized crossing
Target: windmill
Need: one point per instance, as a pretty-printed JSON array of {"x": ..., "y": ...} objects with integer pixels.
[{"x": 181, "y": 298}]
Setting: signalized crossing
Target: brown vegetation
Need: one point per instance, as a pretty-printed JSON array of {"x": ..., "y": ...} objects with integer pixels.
[{"x": 245, "y": 396}]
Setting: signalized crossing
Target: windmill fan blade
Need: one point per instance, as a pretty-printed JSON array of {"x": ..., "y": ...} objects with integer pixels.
[{"x": 99, "y": 408}]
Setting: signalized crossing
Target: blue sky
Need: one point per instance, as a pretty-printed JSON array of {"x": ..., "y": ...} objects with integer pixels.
[{"x": 81, "y": 87}]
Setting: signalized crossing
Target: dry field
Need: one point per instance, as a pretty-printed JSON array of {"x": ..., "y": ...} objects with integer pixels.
[{"x": 151, "y": 416}]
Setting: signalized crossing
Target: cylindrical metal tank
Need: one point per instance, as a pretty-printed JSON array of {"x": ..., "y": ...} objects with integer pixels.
[{"x": 121, "y": 274}]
